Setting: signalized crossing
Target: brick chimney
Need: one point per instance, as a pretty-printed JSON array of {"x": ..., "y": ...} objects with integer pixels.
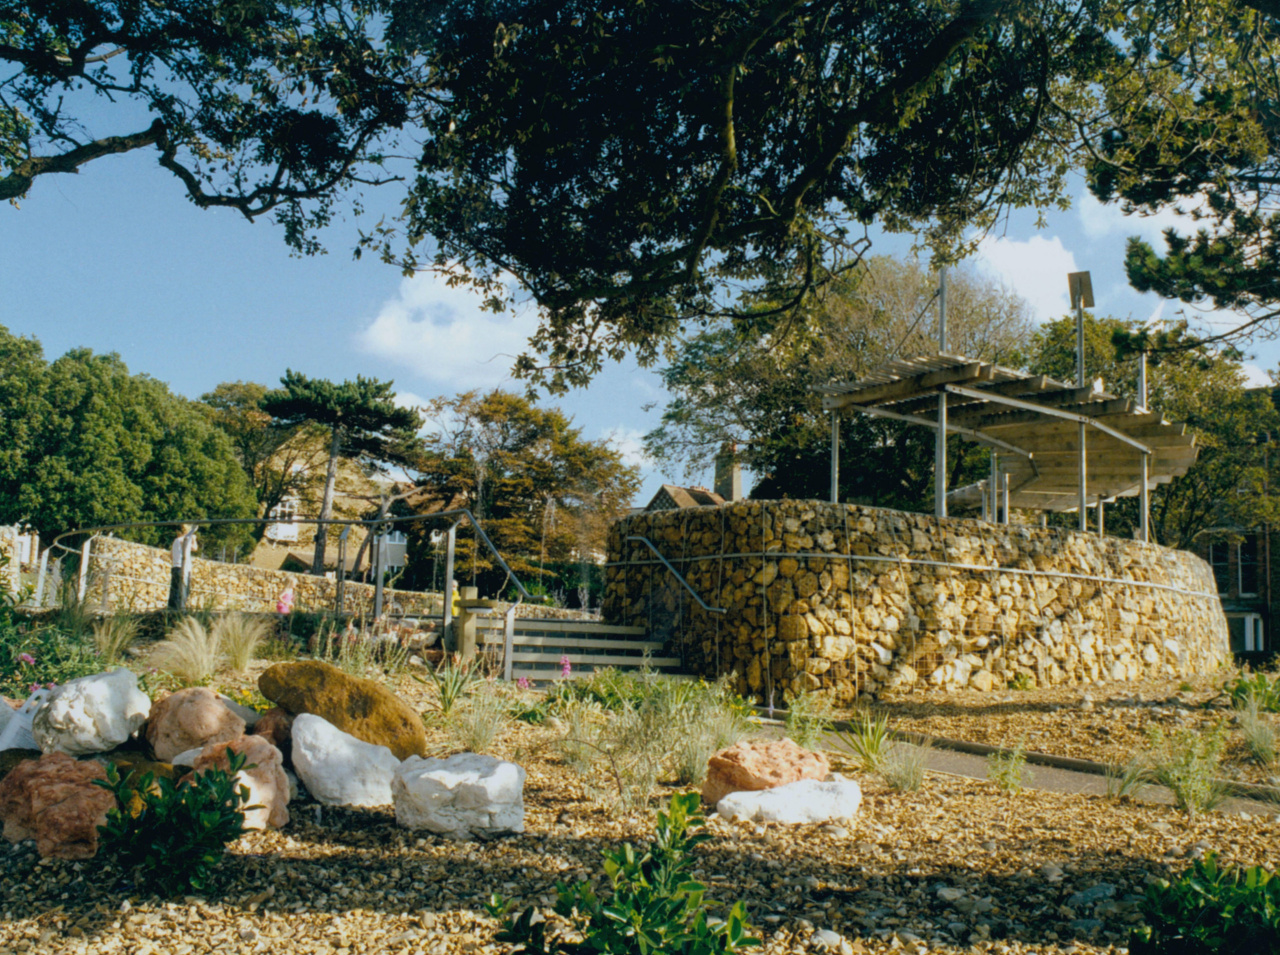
[{"x": 728, "y": 473}]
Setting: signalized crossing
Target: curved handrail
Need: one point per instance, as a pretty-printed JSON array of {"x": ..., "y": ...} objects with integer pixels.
[
  {"x": 349, "y": 522},
  {"x": 684, "y": 583}
]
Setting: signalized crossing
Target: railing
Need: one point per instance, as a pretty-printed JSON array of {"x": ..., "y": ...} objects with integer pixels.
[{"x": 678, "y": 576}]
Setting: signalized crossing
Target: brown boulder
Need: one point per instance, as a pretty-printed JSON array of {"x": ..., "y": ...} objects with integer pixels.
[
  {"x": 10, "y": 758},
  {"x": 190, "y": 719},
  {"x": 756, "y": 764},
  {"x": 54, "y": 801},
  {"x": 276, "y": 727},
  {"x": 263, "y": 775},
  {"x": 366, "y": 710}
]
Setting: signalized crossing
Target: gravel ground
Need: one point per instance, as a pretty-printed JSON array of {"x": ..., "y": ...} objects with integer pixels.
[
  {"x": 955, "y": 867},
  {"x": 1105, "y": 723}
]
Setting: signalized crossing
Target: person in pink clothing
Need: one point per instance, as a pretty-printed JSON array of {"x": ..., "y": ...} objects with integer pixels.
[{"x": 284, "y": 603}]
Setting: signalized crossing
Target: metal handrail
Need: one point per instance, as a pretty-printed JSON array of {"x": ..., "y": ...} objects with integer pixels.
[
  {"x": 684, "y": 583},
  {"x": 375, "y": 522}
]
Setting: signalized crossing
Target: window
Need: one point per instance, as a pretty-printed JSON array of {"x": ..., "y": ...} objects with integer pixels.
[
  {"x": 1246, "y": 633},
  {"x": 284, "y": 529},
  {"x": 1218, "y": 558},
  {"x": 1247, "y": 565}
]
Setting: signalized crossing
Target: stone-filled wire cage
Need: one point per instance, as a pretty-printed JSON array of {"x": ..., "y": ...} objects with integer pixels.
[{"x": 845, "y": 600}]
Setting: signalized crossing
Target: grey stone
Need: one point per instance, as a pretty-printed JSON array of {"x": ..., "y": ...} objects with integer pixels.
[{"x": 1091, "y": 895}]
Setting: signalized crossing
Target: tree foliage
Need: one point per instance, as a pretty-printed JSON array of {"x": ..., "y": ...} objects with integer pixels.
[
  {"x": 255, "y": 106},
  {"x": 87, "y": 443},
  {"x": 361, "y": 420},
  {"x": 729, "y": 386},
  {"x": 543, "y": 493}
]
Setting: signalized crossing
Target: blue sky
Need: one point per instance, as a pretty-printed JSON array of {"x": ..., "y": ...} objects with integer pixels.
[{"x": 115, "y": 259}]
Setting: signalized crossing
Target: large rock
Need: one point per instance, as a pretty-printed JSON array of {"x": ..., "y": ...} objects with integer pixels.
[
  {"x": 460, "y": 797},
  {"x": 276, "y": 727},
  {"x": 11, "y": 758},
  {"x": 188, "y": 719},
  {"x": 757, "y": 764},
  {"x": 91, "y": 714},
  {"x": 807, "y": 802},
  {"x": 366, "y": 710},
  {"x": 263, "y": 775},
  {"x": 337, "y": 768},
  {"x": 54, "y": 801}
]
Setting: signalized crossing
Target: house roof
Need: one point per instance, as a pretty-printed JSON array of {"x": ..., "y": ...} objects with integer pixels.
[{"x": 673, "y": 497}]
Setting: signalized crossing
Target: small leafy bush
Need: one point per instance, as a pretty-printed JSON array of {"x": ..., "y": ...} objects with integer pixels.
[
  {"x": 31, "y": 654},
  {"x": 1264, "y": 693},
  {"x": 171, "y": 836},
  {"x": 904, "y": 766},
  {"x": 1022, "y": 682},
  {"x": 868, "y": 741},
  {"x": 477, "y": 725},
  {"x": 453, "y": 682},
  {"x": 809, "y": 718},
  {"x": 655, "y": 907},
  {"x": 1008, "y": 770},
  {"x": 1211, "y": 911},
  {"x": 190, "y": 652},
  {"x": 1187, "y": 765},
  {"x": 113, "y": 635}
]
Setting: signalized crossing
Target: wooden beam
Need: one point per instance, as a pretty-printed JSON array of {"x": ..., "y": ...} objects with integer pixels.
[
  {"x": 1022, "y": 387},
  {"x": 909, "y": 387},
  {"x": 1094, "y": 409}
]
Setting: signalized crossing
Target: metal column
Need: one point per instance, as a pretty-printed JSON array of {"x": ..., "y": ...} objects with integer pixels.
[
  {"x": 1004, "y": 493},
  {"x": 1144, "y": 502},
  {"x": 940, "y": 441},
  {"x": 835, "y": 457},
  {"x": 379, "y": 563},
  {"x": 1102, "y": 521},
  {"x": 994, "y": 487},
  {"x": 1084, "y": 481},
  {"x": 452, "y": 540}
]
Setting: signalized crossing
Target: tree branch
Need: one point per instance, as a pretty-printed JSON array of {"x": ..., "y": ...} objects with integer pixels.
[{"x": 16, "y": 184}]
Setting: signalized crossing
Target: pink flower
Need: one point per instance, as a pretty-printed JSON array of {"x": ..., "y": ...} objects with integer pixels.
[
  {"x": 523, "y": 683},
  {"x": 565, "y": 669},
  {"x": 27, "y": 658}
]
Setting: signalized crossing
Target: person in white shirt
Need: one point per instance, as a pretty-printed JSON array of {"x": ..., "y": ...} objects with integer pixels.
[{"x": 184, "y": 545}]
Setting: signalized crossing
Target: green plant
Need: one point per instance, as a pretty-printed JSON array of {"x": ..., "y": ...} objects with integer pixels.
[
  {"x": 1258, "y": 732},
  {"x": 171, "y": 836},
  {"x": 655, "y": 906},
  {"x": 609, "y": 687},
  {"x": 278, "y": 645},
  {"x": 580, "y": 744},
  {"x": 1007, "y": 769},
  {"x": 1211, "y": 911},
  {"x": 239, "y": 636},
  {"x": 1021, "y": 681},
  {"x": 903, "y": 766},
  {"x": 1187, "y": 765},
  {"x": 453, "y": 682},
  {"x": 1264, "y": 693},
  {"x": 189, "y": 652},
  {"x": 809, "y": 718},
  {"x": 113, "y": 635},
  {"x": 868, "y": 741},
  {"x": 477, "y": 724},
  {"x": 1127, "y": 781},
  {"x": 707, "y": 727},
  {"x": 31, "y": 654}
]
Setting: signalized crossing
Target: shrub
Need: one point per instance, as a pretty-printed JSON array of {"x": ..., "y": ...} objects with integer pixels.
[
  {"x": 808, "y": 719},
  {"x": 612, "y": 689},
  {"x": 476, "y": 726},
  {"x": 868, "y": 741},
  {"x": 190, "y": 652},
  {"x": 903, "y": 766},
  {"x": 1187, "y": 765},
  {"x": 709, "y": 727},
  {"x": 453, "y": 682},
  {"x": 655, "y": 905},
  {"x": 113, "y": 635},
  {"x": 239, "y": 637},
  {"x": 1008, "y": 770},
  {"x": 1022, "y": 682},
  {"x": 35, "y": 654},
  {"x": 1264, "y": 693},
  {"x": 171, "y": 836},
  {"x": 1258, "y": 733},
  {"x": 1211, "y": 911},
  {"x": 1127, "y": 781}
]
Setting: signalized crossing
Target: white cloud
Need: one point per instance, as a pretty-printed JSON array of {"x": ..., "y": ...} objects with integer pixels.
[
  {"x": 443, "y": 334},
  {"x": 1103, "y": 220},
  {"x": 1256, "y": 376},
  {"x": 407, "y": 399},
  {"x": 629, "y": 442},
  {"x": 1036, "y": 269}
]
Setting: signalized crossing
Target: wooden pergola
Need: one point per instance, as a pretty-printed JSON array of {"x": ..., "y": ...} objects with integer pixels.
[{"x": 1055, "y": 446}]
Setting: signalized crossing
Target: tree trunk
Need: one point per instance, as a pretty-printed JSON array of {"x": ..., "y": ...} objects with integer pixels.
[{"x": 326, "y": 503}]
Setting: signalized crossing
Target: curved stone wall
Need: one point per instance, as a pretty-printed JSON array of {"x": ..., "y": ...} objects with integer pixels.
[{"x": 847, "y": 599}]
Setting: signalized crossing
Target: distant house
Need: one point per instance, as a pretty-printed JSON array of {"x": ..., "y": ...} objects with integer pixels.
[
  {"x": 673, "y": 497},
  {"x": 1241, "y": 562}
]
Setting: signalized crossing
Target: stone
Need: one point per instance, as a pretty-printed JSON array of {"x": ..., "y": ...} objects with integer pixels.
[
  {"x": 263, "y": 775},
  {"x": 246, "y": 713},
  {"x": 54, "y": 801},
  {"x": 187, "y": 758},
  {"x": 1091, "y": 895},
  {"x": 461, "y": 797},
  {"x": 91, "y": 714},
  {"x": 982, "y": 680},
  {"x": 807, "y": 802},
  {"x": 337, "y": 768},
  {"x": 758, "y": 764},
  {"x": 10, "y": 758},
  {"x": 949, "y": 893},
  {"x": 826, "y": 939},
  {"x": 190, "y": 719},
  {"x": 365, "y": 709},
  {"x": 276, "y": 726},
  {"x": 1052, "y": 872}
]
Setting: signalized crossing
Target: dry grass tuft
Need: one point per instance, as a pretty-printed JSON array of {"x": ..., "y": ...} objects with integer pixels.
[
  {"x": 189, "y": 652},
  {"x": 239, "y": 636}
]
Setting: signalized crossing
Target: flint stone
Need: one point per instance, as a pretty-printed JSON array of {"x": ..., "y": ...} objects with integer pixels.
[
  {"x": 758, "y": 764},
  {"x": 246, "y": 713},
  {"x": 365, "y": 709},
  {"x": 807, "y": 802},
  {"x": 191, "y": 719},
  {"x": 466, "y": 795},
  {"x": 54, "y": 801},
  {"x": 91, "y": 714},
  {"x": 263, "y": 775},
  {"x": 337, "y": 768},
  {"x": 275, "y": 726}
]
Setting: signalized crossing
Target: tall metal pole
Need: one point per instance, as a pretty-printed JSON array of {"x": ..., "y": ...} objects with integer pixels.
[
  {"x": 835, "y": 457},
  {"x": 940, "y": 443},
  {"x": 1102, "y": 521},
  {"x": 379, "y": 565},
  {"x": 1084, "y": 511},
  {"x": 451, "y": 542},
  {"x": 1142, "y": 381},
  {"x": 1004, "y": 493},
  {"x": 994, "y": 487},
  {"x": 1144, "y": 494}
]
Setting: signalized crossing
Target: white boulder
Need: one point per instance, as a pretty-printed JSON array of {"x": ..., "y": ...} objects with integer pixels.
[
  {"x": 91, "y": 714},
  {"x": 337, "y": 768},
  {"x": 463, "y": 796},
  {"x": 807, "y": 802}
]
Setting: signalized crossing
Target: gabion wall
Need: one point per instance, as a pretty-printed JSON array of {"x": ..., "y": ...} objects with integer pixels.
[{"x": 846, "y": 600}]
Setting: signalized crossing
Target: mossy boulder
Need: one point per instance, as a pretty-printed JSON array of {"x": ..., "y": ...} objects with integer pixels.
[{"x": 366, "y": 710}]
